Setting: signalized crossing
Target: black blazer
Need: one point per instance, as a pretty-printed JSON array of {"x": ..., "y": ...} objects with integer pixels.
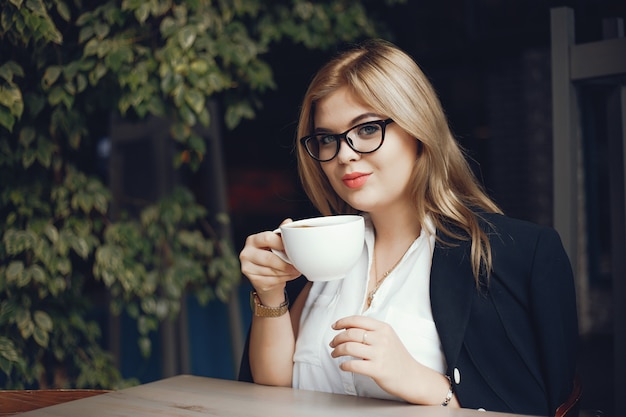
[{"x": 510, "y": 345}]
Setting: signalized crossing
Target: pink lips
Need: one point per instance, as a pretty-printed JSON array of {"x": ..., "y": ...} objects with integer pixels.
[{"x": 355, "y": 179}]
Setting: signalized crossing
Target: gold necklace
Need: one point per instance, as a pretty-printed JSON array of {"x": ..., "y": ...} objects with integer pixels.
[{"x": 379, "y": 281}]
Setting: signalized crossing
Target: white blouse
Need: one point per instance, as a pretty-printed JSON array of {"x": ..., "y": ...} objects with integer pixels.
[{"x": 403, "y": 301}]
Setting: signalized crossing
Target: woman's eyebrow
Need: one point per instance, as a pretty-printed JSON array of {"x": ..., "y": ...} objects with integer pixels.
[{"x": 352, "y": 122}]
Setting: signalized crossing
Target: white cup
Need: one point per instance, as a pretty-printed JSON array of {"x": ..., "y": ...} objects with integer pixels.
[{"x": 323, "y": 248}]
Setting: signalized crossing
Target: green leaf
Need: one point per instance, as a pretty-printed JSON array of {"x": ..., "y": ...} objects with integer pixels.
[
  {"x": 97, "y": 73},
  {"x": 6, "y": 119},
  {"x": 43, "y": 320},
  {"x": 142, "y": 12},
  {"x": 81, "y": 83},
  {"x": 7, "y": 349},
  {"x": 41, "y": 336},
  {"x": 57, "y": 286},
  {"x": 86, "y": 33},
  {"x": 180, "y": 132},
  {"x": 50, "y": 76},
  {"x": 195, "y": 100},
  {"x": 28, "y": 157},
  {"x": 38, "y": 274},
  {"x": 56, "y": 95},
  {"x": 167, "y": 27},
  {"x": 45, "y": 149},
  {"x": 205, "y": 117},
  {"x": 145, "y": 346},
  {"x": 14, "y": 271},
  {"x": 10, "y": 69},
  {"x": 25, "y": 324},
  {"x": 63, "y": 10},
  {"x": 81, "y": 248},
  {"x": 6, "y": 365},
  {"x": 91, "y": 47},
  {"x": 11, "y": 97},
  {"x": 197, "y": 143},
  {"x": 101, "y": 30},
  {"x": 37, "y": 7},
  {"x": 199, "y": 66},
  {"x": 34, "y": 103},
  {"x": 186, "y": 37},
  {"x": 236, "y": 112},
  {"x": 52, "y": 232},
  {"x": 187, "y": 115},
  {"x": 118, "y": 57},
  {"x": 64, "y": 266},
  {"x": 27, "y": 135}
]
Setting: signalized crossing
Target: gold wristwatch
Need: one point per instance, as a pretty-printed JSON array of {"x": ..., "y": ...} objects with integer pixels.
[{"x": 260, "y": 310}]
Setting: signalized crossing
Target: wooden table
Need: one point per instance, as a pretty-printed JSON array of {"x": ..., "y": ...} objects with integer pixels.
[{"x": 193, "y": 396}]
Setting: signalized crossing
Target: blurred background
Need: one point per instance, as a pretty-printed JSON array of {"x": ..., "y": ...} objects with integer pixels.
[{"x": 496, "y": 69}]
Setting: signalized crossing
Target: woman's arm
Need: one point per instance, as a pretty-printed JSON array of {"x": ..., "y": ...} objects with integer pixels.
[
  {"x": 272, "y": 343},
  {"x": 272, "y": 339}
]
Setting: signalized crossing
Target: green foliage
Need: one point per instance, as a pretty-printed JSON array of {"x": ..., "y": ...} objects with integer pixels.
[
  {"x": 170, "y": 239},
  {"x": 65, "y": 67}
]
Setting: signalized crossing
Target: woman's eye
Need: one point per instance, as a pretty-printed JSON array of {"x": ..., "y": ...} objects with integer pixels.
[
  {"x": 368, "y": 130},
  {"x": 327, "y": 139}
]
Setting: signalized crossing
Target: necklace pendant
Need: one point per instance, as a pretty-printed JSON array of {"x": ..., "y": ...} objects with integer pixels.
[{"x": 370, "y": 298}]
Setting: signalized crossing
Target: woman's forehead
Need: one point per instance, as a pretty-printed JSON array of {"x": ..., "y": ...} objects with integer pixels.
[{"x": 341, "y": 108}]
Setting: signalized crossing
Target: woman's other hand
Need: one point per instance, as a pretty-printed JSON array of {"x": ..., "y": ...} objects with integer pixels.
[{"x": 380, "y": 354}]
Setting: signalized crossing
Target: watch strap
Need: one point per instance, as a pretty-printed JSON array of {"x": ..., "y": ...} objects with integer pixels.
[{"x": 260, "y": 310}]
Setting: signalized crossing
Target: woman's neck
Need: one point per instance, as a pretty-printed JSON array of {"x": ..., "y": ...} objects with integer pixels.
[{"x": 395, "y": 231}]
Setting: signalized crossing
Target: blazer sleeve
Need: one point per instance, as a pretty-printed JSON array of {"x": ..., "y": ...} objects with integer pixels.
[
  {"x": 535, "y": 298},
  {"x": 554, "y": 315}
]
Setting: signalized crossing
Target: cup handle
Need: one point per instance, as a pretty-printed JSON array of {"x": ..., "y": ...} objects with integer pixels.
[{"x": 281, "y": 254}]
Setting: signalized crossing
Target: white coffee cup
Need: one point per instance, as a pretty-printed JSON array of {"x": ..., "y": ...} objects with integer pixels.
[{"x": 323, "y": 248}]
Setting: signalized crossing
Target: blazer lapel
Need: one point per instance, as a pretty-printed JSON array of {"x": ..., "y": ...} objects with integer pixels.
[{"x": 452, "y": 288}]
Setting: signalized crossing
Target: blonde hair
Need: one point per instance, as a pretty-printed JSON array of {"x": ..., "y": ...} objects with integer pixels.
[{"x": 443, "y": 186}]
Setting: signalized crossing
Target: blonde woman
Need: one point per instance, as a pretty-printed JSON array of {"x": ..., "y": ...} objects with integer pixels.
[{"x": 451, "y": 303}]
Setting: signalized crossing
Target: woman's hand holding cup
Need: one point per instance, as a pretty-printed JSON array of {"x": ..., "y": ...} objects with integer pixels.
[{"x": 267, "y": 272}]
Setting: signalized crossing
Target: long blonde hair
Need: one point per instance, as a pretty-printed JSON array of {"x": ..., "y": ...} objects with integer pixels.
[{"x": 443, "y": 186}]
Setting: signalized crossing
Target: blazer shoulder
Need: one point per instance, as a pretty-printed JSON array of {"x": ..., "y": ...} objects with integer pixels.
[{"x": 506, "y": 230}]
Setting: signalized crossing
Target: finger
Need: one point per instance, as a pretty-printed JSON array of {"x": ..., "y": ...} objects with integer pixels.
[
  {"x": 270, "y": 274},
  {"x": 352, "y": 349},
  {"x": 362, "y": 322},
  {"x": 287, "y": 220},
  {"x": 264, "y": 240},
  {"x": 364, "y": 338},
  {"x": 363, "y": 367},
  {"x": 257, "y": 251},
  {"x": 264, "y": 269},
  {"x": 353, "y": 334}
]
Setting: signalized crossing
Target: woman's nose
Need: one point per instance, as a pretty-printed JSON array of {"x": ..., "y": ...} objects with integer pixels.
[{"x": 346, "y": 153}]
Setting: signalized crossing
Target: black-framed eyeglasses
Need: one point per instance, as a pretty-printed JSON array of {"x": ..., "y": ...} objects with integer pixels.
[{"x": 363, "y": 138}]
